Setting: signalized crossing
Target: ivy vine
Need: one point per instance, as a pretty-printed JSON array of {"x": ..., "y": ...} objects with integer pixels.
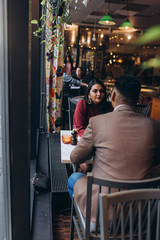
[{"x": 54, "y": 14}]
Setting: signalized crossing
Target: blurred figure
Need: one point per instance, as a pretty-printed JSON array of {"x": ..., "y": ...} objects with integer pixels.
[
  {"x": 68, "y": 65},
  {"x": 79, "y": 74}
]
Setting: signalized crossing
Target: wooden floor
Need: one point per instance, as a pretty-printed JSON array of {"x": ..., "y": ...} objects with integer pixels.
[
  {"x": 61, "y": 217},
  {"x": 61, "y": 227}
]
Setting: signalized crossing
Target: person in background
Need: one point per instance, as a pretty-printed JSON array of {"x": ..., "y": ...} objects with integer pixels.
[
  {"x": 125, "y": 144},
  {"x": 79, "y": 74},
  {"x": 68, "y": 81},
  {"x": 68, "y": 65}
]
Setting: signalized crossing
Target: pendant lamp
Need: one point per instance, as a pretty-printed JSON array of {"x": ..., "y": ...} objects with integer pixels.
[
  {"x": 127, "y": 26},
  {"x": 107, "y": 19}
]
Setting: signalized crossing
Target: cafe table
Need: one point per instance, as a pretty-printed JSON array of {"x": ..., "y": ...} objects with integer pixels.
[{"x": 66, "y": 149}]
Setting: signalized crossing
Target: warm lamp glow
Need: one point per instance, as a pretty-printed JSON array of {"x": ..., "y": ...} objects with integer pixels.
[
  {"x": 127, "y": 26},
  {"x": 106, "y": 20}
]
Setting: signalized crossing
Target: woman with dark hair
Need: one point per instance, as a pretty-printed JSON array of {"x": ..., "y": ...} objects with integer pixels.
[
  {"x": 93, "y": 104},
  {"x": 68, "y": 65}
]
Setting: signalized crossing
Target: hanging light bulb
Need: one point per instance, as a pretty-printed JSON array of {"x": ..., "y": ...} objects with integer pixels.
[
  {"x": 107, "y": 19},
  {"x": 127, "y": 25},
  {"x": 94, "y": 37}
]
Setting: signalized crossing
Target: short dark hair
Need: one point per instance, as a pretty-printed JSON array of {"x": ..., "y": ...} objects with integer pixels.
[
  {"x": 80, "y": 68},
  {"x": 129, "y": 87}
]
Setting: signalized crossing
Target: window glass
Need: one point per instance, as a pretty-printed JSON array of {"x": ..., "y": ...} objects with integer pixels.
[{"x": 1, "y": 180}]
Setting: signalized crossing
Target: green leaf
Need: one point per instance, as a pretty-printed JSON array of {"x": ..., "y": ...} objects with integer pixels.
[
  {"x": 43, "y": 2},
  {"x": 151, "y": 35},
  {"x": 43, "y": 16},
  {"x": 44, "y": 41},
  {"x": 34, "y": 22},
  {"x": 38, "y": 30},
  {"x": 151, "y": 63}
]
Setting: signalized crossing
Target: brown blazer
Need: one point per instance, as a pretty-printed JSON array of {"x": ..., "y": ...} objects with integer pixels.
[{"x": 124, "y": 143}]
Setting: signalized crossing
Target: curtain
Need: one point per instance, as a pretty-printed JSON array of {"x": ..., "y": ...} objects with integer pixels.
[{"x": 54, "y": 78}]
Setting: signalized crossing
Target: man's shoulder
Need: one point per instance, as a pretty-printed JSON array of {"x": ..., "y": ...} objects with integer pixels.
[{"x": 101, "y": 117}]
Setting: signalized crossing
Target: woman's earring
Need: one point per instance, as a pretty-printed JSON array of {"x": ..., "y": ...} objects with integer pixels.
[{"x": 89, "y": 101}]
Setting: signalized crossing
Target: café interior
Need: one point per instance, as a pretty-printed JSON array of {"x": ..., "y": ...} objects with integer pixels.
[{"x": 108, "y": 49}]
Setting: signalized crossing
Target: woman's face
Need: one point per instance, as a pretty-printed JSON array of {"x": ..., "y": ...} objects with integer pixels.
[{"x": 96, "y": 93}]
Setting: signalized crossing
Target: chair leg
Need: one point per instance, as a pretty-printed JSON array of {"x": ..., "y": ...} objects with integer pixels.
[{"x": 72, "y": 222}]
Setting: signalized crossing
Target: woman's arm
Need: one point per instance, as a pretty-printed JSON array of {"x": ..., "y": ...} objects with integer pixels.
[{"x": 80, "y": 119}]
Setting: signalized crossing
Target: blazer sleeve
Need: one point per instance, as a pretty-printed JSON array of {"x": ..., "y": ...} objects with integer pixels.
[
  {"x": 80, "y": 119},
  {"x": 85, "y": 147}
]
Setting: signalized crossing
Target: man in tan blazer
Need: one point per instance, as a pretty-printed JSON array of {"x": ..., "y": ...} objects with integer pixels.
[{"x": 125, "y": 144}]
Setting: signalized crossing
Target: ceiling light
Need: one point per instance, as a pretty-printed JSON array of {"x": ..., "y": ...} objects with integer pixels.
[
  {"x": 106, "y": 20},
  {"x": 127, "y": 26}
]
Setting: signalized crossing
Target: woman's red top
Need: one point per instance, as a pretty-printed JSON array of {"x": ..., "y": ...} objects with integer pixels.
[{"x": 82, "y": 114}]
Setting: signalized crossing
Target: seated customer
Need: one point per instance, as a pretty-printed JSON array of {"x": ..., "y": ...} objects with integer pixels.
[
  {"x": 68, "y": 80},
  {"x": 93, "y": 104},
  {"x": 79, "y": 74},
  {"x": 125, "y": 144}
]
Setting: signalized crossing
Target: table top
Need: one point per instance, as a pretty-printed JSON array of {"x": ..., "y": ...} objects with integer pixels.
[{"x": 66, "y": 149}]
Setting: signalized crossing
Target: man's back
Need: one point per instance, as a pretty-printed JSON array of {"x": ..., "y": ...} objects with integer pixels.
[{"x": 126, "y": 144}]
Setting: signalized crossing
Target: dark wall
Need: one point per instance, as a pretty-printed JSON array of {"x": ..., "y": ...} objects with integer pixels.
[
  {"x": 19, "y": 73},
  {"x": 35, "y": 79}
]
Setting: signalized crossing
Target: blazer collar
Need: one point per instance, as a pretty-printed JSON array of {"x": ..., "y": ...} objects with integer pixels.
[{"x": 122, "y": 107}]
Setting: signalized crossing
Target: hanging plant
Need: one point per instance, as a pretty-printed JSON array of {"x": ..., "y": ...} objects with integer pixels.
[{"x": 54, "y": 14}]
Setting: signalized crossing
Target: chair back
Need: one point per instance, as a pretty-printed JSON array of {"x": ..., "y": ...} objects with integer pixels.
[
  {"x": 71, "y": 108},
  {"x": 143, "y": 108},
  {"x": 135, "y": 215},
  {"x": 112, "y": 184}
]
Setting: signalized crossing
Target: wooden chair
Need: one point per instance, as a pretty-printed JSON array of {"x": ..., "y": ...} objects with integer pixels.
[
  {"x": 134, "y": 210},
  {"x": 83, "y": 226},
  {"x": 143, "y": 108}
]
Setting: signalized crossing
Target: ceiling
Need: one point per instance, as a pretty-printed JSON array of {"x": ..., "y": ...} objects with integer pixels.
[{"x": 142, "y": 13}]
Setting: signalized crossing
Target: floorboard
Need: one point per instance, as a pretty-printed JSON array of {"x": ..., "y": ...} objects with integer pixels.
[{"x": 61, "y": 217}]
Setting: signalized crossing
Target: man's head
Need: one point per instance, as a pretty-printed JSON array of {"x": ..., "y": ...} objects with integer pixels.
[
  {"x": 126, "y": 90},
  {"x": 79, "y": 72}
]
